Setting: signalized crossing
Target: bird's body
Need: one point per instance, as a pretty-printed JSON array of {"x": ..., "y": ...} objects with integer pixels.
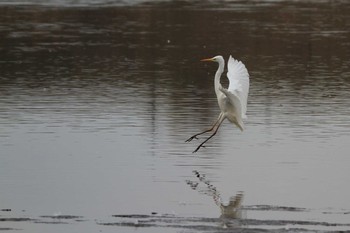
[{"x": 233, "y": 100}]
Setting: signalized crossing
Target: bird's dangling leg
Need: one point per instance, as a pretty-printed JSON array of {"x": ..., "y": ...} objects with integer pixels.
[
  {"x": 205, "y": 131},
  {"x": 220, "y": 120}
]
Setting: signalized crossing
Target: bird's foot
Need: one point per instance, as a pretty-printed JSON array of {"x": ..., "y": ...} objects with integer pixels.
[
  {"x": 198, "y": 148},
  {"x": 191, "y": 138}
]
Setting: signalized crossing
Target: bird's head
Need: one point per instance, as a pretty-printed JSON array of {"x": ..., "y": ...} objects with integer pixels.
[{"x": 217, "y": 59}]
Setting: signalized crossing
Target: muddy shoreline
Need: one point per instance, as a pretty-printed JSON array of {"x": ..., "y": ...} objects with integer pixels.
[{"x": 175, "y": 222}]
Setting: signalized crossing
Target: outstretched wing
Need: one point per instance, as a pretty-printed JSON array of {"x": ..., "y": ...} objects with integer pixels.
[{"x": 239, "y": 82}]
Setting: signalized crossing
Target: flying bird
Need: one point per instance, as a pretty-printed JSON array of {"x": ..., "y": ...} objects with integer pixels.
[{"x": 233, "y": 100}]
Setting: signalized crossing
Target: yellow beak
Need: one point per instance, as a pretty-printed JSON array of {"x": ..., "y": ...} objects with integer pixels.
[{"x": 208, "y": 59}]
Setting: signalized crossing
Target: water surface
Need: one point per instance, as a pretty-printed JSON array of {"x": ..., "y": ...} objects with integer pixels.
[{"x": 98, "y": 98}]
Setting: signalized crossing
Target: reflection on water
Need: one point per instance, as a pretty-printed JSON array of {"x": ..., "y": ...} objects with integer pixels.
[
  {"x": 230, "y": 211},
  {"x": 96, "y": 103}
]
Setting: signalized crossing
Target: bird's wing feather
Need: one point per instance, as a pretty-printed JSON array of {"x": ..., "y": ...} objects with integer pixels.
[
  {"x": 239, "y": 82},
  {"x": 234, "y": 99}
]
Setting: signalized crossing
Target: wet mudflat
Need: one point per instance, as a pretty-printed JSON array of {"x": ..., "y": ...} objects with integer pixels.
[
  {"x": 97, "y": 99},
  {"x": 155, "y": 222}
]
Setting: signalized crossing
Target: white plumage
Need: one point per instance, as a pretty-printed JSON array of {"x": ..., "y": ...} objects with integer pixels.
[
  {"x": 239, "y": 82},
  {"x": 233, "y": 100}
]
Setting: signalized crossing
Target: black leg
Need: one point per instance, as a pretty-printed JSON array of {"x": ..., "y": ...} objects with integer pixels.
[
  {"x": 205, "y": 131},
  {"x": 220, "y": 120}
]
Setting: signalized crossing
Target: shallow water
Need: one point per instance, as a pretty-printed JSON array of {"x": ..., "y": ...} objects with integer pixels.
[{"x": 97, "y": 99}]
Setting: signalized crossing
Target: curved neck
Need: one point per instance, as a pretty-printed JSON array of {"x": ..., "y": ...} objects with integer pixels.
[{"x": 218, "y": 76}]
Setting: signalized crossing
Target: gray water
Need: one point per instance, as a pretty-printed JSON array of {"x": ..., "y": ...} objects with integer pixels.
[{"x": 97, "y": 99}]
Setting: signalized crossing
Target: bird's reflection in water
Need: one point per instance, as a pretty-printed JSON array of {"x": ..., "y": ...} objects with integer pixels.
[{"x": 231, "y": 212}]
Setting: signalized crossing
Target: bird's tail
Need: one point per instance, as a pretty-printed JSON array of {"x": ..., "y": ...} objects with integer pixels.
[{"x": 240, "y": 124}]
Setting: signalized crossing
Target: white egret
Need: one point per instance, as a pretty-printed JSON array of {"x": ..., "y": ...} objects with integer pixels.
[{"x": 232, "y": 101}]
